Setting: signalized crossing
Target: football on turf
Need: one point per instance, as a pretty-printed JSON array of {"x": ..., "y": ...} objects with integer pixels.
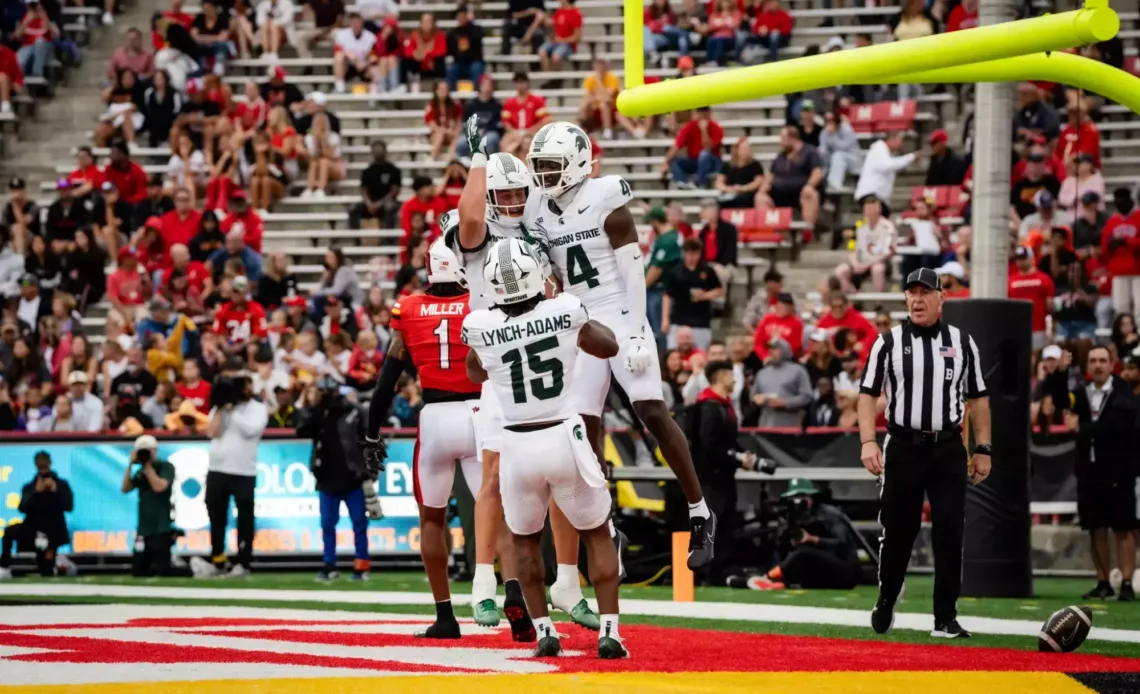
[{"x": 1065, "y": 630}]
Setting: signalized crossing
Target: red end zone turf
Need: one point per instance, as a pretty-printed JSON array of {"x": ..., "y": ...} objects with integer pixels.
[{"x": 655, "y": 649}]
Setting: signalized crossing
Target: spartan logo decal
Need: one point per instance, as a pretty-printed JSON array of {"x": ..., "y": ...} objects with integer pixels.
[
  {"x": 447, "y": 219},
  {"x": 581, "y": 142},
  {"x": 578, "y": 432}
]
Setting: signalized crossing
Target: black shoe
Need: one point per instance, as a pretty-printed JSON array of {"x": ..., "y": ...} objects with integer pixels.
[
  {"x": 702, "y": 532},
  {"x": 440, "y": 630},
  {"x": 621, "y": 542},
  {"x": 548, "y": 646},
  {"x": 882, "y": 617},
  {"x": 522, "y": 629},
  {"x": 1103, "y": 591},
  {"x": 1127, "y": 594},
  {"x": 949, "y": 630}
]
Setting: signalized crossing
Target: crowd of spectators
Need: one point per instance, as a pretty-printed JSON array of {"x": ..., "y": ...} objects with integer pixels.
[{"x": 178, "y": 256}]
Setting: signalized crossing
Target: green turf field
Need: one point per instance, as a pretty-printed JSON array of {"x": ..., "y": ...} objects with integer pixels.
[{"x": 1051, "y": 594}]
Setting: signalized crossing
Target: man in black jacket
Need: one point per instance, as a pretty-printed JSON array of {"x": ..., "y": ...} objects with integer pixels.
[
  {"x": 824, "y": 551},
  {"x": 1104, "y": 418},
  {"x": 336, "y": 428},
  {"x": 43, "y": 502},
  {"x": 465, "y": 48},
  {"x": 711, "y": 428}
]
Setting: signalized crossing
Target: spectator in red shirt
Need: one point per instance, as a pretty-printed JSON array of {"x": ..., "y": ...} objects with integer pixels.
[
  {"x": 364, "y": 364},
  {"x": 127, "y": 286},
  {"x": 697, "y": 150},
  {"x": 1079, "y": 136},
  {"x": 245, "y": 218},
  {"x": 89, "y": 176},
  {"x": 426, "y": 201},
  {"x": 841, "y": 315},
  {"x": 11, "y": 78},
  {"x": 523, "y": 115},
  {"x": 964, "y": 16},
  {"x": 36, "y": 34},
  {"x": 174, "y": 15},
  {"x": 443, "y": 116},
  {"x": 1030, "y": 284},
  {"x": 1120, "y": 244},
  {"x": 193, "y": 388},
  {"x": 772, "y": 28},
  {"x": 567, "y": 26},
  {"x": 182, "y": 223},
  {"x": 196, "y": 273},
  {"x": 241, "y": 321},
  {"x": 662, "y": 32},
  {"x": 723, "y": 24},
  {"x": 425, "y": 50},
  {"x": 127, "y": 176},
  {"x": 781, "y": 323}
]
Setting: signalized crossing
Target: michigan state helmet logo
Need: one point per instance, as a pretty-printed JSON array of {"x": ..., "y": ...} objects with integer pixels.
[
  {"x": 581, "y": 142},
  {"x": 578, "y": 432}
]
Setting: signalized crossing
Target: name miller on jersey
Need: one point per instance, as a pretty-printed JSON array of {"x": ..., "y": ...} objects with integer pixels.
[
  {"x": 534, "y": 328},
  {"x": 451, "y": 309},
  {"x": 577, "y": 236}
]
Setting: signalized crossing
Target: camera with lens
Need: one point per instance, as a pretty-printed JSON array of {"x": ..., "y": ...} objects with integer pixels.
[
  {"x": 795, "y": 515},
  {"x": 144, "y": 456},
  {"x": 226, "y": 390}
]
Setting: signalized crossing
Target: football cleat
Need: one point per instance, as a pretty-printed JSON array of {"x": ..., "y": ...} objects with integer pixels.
[
  {"x": 702, "y": 532},
  {"x": 610, "y": 648},
  {"x": 548, "y": 646},
  {"x": 522, "y": 628},
  {"x": 440, "y": 630},
  {"x": 485, "y": 613}
]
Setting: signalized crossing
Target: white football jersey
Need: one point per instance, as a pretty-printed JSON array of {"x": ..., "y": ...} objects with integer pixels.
[
  {"x": 473, "y": 259},
  {"x": 530, "y": 358},
  {"x": 576, "y": 242}
]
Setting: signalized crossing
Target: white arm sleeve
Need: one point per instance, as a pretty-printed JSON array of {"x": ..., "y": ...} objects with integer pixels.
[{"x": 632, "y": 271}]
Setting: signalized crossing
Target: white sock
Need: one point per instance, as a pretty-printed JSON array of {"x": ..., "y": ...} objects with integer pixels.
[
  {"x": 544, "y": 627},
  {"x": 699, "y": 509},
  {"x": 609, "y": 626},
  {"x": 567, "y": 576},
  {"x": 483, "y": 585}
]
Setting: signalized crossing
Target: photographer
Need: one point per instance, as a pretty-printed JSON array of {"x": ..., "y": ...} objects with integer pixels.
[
  {"x": 154, "y": 536},
  {"x": 43, "y": 501},
  {"x": 711, "y": 427},
  {"x": 823, "y": 551},
  {"x": 336, "y": 426},
  {"x": 237, "y": 422}
]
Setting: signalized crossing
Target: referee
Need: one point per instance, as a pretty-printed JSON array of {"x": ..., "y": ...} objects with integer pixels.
[{"x": 927, "y": 370}]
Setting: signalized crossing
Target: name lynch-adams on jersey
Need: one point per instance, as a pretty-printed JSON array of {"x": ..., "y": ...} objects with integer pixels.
[{"x": 534, "y": 328}]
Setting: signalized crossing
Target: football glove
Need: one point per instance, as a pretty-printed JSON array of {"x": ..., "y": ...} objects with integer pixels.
[
  {"x": 375, "y": 451},
  {"x": 474, "y": 136},
  {"x": 371, "y": 501},
  {"x": 638, "y": 357}
]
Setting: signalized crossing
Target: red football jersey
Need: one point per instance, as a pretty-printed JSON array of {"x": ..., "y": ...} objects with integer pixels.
[
  {"x": 239, "y": 324},
  {"x": 431, "y": 326}
]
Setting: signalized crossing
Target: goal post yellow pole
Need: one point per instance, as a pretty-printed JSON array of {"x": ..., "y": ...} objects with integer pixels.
[
  {"x": 897, "y": 60},
  {"x": 1063, "y": 68}
]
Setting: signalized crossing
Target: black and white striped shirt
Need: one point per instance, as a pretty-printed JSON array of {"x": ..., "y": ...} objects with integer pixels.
[{"x": 927, "y": 373}]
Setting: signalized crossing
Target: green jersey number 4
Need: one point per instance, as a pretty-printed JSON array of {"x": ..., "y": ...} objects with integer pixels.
[
  {"x": 540, "y": 367},
  {"x": 579, "y": 269}
]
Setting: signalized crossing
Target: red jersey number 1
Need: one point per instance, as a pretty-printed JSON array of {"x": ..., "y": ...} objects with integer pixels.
[{"x": 444, "y": 348}]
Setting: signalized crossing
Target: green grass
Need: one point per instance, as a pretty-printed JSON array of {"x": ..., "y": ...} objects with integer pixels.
[{"x": 1050, "y": 594}]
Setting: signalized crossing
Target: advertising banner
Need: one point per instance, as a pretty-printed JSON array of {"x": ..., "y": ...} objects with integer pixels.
[{"x": 286, "y": 501}]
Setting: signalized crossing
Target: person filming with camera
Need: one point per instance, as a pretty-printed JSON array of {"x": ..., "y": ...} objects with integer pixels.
[
  {"x": 43, "y": 501},
  {"x": 335, "y": 424},
  {"x": 237, "y": 421},
  {"x": 823, "y": 546},
  {"x": 153, "y": 478}
]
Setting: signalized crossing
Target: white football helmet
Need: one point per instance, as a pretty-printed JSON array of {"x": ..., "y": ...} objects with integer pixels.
[
  {"x": 508, "y": 184},
  {"x": 442, "y": 264},
  {"x": 561, "y": 156},
  {"x": 513, "y": 272}
]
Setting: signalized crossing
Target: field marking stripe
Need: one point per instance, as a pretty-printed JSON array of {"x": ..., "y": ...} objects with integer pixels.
[
  {"x": 747, "y": 612},
  {"x": 646, "y": 683}
]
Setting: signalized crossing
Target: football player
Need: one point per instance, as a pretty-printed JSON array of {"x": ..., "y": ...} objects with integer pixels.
[
  {"x": 525, "y": 346},
  {"x": 426, "y": 332},
  {"x": 491, "y": 208},
  {"x": 591, "y": 237}
]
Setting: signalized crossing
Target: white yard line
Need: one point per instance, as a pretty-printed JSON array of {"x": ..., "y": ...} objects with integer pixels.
[{"x": 748, "y": 612}]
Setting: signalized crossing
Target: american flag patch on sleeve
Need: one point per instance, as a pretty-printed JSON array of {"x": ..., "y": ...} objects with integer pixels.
[{"x": 947, "y": 352}]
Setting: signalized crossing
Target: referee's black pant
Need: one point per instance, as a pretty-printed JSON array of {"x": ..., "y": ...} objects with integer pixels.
[
  {"x": 912, "y": 471},
  {"x": 220, "y": 488}
]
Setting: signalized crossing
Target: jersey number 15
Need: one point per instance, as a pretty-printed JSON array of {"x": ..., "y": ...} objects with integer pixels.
[{"x": 539, "y": 367}]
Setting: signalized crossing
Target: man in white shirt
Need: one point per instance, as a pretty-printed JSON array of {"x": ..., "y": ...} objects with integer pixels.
[
  {"x": 235, "y": 429},
  {"x": 875, "y": 239},
  {"x": 86, "y": 409},
  {"x": 32, "y": 304},
  {"x": 352, "y": 49},
  {"x": 880, "y": 168}
]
